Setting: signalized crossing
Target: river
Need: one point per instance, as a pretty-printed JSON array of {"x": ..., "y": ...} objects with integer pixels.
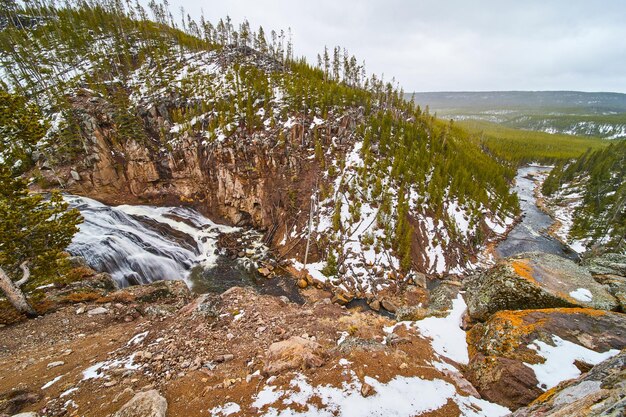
[{"x": 531, "y": 234}]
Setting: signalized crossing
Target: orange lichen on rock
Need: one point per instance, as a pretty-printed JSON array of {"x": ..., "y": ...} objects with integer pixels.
[
  {"x": 508, "y": 328},
  {"x": 545, "y": 396},
  {"x": 523, "y": 269},
  {"x": 572, "y": 310}
]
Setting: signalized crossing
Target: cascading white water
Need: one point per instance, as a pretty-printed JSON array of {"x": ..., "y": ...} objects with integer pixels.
[{"x": 141, "y": 244}]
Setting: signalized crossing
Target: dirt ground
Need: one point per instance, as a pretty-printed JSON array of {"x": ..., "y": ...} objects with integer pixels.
[{"x": 211, "y": 351}]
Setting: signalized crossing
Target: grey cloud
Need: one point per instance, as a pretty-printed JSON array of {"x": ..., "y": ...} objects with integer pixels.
[{"x": 457, "y": 44}]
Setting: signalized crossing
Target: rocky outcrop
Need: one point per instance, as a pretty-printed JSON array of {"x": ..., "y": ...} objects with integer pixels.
[
  {"x": 599, "y": 392},
  {"x": 160, "y": 298},
  {"x": 145, "y": 404},
  {"x": 12, "y": 402},
  {"x": 608, "y": 263},
  {"x": 531, "y": 281},
  {"x": 244, "y": 179},
  {"x": 439, "y": 303},
  {"x": 609, "y": 270},
  {"x": 504, "y": 349}
]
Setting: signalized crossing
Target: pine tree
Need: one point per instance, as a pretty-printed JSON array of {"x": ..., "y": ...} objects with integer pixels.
[
  {"x": 20, "y": 130},
  {"x": 35, "y": 231},
  {"x": 337, "y": 214},
  {"x": 330, "y": 269}
]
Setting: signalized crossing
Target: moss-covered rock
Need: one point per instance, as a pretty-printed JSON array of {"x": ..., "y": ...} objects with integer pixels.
[
  {"x": 608, "y": 263},
  {"x": 533, "y": 281}
]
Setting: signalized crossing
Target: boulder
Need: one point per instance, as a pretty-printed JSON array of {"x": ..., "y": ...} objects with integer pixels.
[
  {"x": 419, "y": 279},
  {"x": 341, "y": 298},
  {"x": 13, "y": 401},
  {"x": 97, "y": 311},
  {"x": 352, "y": 343},
  {"x": 144, "y": 404},
  {"x": 599, "y": 392},
  {"x": 616, "y": 285},
  {"x": 441, "y": 297},
  {"x": 393, "y": 300},
  {"x": 608, "y": 263},
  {"x": 507, "y": 351},
  {"x": 375, "y": 304},
  {"x": 293, "y": 353},
  {"x": 388, "y": 305},
  {"x": 533, "y": 281},
  {"x": 412, "y": 313},
  {"x": 208, "y": 306}
]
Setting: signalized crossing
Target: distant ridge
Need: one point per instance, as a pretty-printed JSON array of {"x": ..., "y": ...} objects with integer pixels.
[
  {"x": 589, "y": 102},
  {"x": 601, "y": 115}
]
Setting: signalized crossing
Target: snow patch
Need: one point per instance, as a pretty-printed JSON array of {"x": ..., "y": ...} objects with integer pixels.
[
  {"x": 400, "y": 397},
  {"x": 49, "y": 383},
  {"x": 448, "y": 339},
  {"x": 225, "y": 410},
  {"x": 559, "y": 360},
  {"x": 138, "y": 338},
  {"x": 581, "y": 294}
]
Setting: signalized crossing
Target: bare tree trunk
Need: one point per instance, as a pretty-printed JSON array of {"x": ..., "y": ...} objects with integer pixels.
[
  {"x": 14, "y": 294},
  {"x": 308, "y": 238}
]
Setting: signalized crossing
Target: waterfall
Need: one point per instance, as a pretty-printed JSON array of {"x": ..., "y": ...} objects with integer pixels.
[{"x": 141, "y": 244}]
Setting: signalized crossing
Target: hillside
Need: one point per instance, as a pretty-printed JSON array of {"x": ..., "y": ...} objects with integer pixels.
[
  {"x": 525, "y": 146},
  {"x": 231, "y": 123},
  {"x": 601, "y": 115},
  {"x": 588, "y": 198}
]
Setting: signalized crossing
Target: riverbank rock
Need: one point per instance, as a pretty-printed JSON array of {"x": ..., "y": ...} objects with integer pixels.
[
  {"x": 145, "y": 404},
  {"x": 599, "y": 392},
  {"x": 517, "y": 355},
  {"x": 610, "y": 270},
  {"x": 531, "y": 281}
]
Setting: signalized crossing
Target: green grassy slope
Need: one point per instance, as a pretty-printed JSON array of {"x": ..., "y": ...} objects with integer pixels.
[{"x": 523, "y": 146}]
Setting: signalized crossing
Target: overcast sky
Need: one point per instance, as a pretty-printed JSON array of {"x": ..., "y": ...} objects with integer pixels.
[{"x": 454, "y": 45}]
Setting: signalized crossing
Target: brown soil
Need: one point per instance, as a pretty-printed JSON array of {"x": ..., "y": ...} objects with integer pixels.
[{"x": 186, "y": 353}]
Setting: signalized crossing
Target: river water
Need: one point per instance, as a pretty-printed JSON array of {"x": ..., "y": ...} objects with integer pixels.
[
  {"x": 531, "y": 233},
  {"x": 142, "y": 244}
]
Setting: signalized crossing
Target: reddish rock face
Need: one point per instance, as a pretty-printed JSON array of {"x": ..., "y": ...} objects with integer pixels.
[
  {"x": 500, "y": 347},
  {"x": 502, "y": 380}
]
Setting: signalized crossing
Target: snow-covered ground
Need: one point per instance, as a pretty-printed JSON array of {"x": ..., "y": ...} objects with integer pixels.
[
  {"x": 559, "y": 361},
  {"x": 399, "y": 397}
]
